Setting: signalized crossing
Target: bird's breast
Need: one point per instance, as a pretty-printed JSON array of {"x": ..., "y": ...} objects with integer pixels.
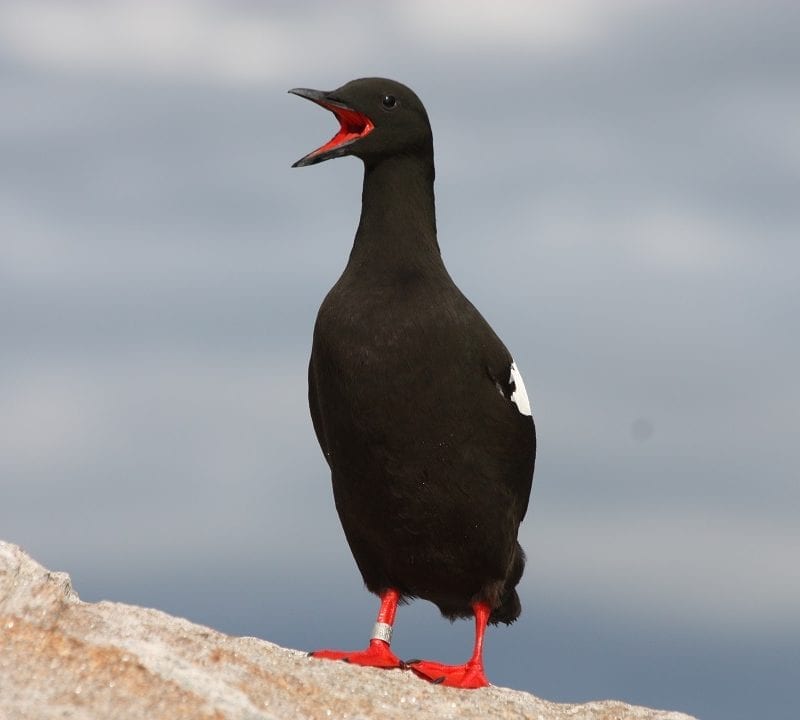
[{"x": 386, "y": 354}]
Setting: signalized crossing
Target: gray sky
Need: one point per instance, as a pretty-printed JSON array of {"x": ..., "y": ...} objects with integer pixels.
[{"x": 617, "y": 188}]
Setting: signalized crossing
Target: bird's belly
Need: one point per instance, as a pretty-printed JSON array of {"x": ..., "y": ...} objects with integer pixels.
[{"x": 411, "y": 428}]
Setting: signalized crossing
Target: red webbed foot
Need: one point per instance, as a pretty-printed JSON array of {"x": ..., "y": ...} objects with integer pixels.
[
  {"x": 378, "y": 655},
  {"x": 470, "y": 675}
]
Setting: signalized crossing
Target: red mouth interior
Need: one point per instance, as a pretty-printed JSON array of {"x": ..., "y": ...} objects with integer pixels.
[{"x": 353, "y": 125}]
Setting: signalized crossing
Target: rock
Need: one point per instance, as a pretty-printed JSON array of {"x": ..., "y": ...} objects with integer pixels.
[{"x": 63, "y": 658}]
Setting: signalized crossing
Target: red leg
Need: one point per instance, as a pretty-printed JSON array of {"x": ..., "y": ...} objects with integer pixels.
[
  {"x": 378, "y": 653},
  {"x": 468, "y": 675}
]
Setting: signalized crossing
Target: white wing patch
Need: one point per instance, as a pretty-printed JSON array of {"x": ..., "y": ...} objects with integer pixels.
[{"x": 520, "y": 396}]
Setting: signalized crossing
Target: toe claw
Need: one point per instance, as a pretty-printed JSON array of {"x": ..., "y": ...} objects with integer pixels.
[
  {"x": 438, "y": 681},
  {"x": 413, "y": 661}
]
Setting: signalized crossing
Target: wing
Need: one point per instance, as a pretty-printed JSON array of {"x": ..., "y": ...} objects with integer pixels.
[
  {"x": 314, "y": 407},
  {"x": 521, "y": 430}
]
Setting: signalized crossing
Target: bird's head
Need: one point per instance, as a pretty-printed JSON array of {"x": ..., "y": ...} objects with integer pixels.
[{"x": 378, "y": 118}]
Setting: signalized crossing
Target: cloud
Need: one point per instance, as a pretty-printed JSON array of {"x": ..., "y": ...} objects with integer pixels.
[
  {"x": 244, "y": 43},
  {"x": 572, "y": 25},
  {"x": 55, "y": 416},
  {"x": 684, "y": 567},
  {"x": 207, "y": 42}
]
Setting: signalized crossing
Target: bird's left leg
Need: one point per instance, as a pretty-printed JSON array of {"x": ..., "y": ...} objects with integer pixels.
[
  {"x": 378, "y": 653},
  {"x": 468, "y": 675}
]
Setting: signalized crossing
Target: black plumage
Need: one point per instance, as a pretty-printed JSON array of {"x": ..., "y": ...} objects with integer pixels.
[{"x": 415, "y": 401}]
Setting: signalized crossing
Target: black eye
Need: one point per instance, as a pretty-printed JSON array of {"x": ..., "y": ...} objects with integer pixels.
[{"x": 389, "y": 101}]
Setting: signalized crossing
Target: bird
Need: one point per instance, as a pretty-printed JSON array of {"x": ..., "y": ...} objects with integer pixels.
[{"x": 420, "y": 410}]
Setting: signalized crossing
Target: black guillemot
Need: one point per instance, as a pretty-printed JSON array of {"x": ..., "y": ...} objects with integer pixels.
[{"x": 418, "y": 406}]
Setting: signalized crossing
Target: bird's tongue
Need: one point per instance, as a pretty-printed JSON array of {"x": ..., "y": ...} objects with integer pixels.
[{"x": 353, "y": 125}]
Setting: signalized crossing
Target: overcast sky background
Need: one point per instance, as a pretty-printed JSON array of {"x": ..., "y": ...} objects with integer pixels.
[{"x": 617, "y": 188}]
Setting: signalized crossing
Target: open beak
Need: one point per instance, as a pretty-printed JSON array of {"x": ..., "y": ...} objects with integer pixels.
[{"x": 353, "y": 126}]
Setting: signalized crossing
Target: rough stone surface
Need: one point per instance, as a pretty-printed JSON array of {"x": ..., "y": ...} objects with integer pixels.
[{"x": 63, "y": 658}]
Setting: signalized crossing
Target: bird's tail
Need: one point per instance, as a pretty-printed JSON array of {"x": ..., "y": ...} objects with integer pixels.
[{"x": 510, "y": 608}]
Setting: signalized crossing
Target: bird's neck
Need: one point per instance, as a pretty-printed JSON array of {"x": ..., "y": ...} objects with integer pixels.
[{"x": 397, "y": 229}]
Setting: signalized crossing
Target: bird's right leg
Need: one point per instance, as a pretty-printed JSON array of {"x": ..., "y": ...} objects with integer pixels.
[
  {"x": 378, "y": 653},
  {"x": 468, "y": 675}
]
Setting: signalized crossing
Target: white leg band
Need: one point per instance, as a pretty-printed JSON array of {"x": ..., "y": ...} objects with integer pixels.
[{"x": 382, "y": 631}]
